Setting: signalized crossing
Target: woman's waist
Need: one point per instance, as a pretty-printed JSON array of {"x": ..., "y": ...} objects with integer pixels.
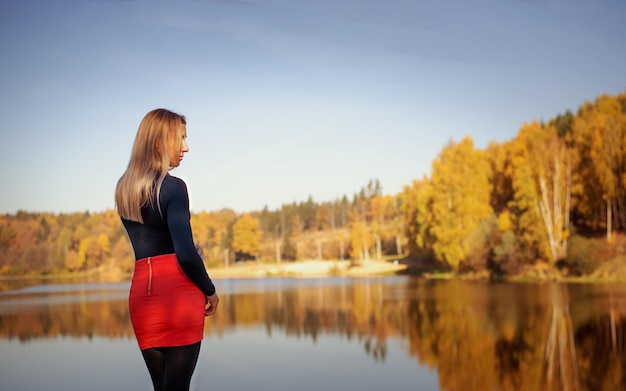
[{"x": 157, "y": 258}]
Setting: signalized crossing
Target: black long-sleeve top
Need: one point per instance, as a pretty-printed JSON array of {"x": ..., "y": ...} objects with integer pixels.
[{"x": 170, "y": 232}]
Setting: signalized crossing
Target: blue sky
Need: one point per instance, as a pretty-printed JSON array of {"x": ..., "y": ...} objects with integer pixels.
[{"x": 284, "y": 99}]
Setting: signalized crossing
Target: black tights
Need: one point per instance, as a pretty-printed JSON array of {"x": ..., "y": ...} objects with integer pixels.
[{"x": 171, "y": 367}]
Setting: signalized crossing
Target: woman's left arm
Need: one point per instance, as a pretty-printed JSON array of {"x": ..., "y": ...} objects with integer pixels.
[{"x": 179, "y": 224}]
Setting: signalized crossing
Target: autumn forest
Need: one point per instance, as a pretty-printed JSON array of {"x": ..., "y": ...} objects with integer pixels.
[{"x": 552, "y": 200}]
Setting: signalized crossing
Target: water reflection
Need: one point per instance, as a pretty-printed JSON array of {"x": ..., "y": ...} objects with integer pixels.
[{"x": 470, "y": 335}]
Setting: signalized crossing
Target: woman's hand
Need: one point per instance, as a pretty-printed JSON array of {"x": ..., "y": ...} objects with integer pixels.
[{"x": 212, "y": 302}]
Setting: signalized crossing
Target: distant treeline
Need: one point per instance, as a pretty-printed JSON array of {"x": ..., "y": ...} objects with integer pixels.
[{"x": 538, "y": 199}]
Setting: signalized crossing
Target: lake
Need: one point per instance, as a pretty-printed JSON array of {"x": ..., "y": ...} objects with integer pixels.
[{"x": 386, "y": 333}]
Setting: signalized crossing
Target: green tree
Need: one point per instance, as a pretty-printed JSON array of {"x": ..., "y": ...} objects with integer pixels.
[
  {"x": 308, "y": 215},
  {"x": 289, "y": 250}
]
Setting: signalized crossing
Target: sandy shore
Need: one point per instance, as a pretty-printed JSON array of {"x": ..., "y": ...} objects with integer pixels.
[
  {"x": 250, "y": 269},
  {"x": 307, "y": 269}
]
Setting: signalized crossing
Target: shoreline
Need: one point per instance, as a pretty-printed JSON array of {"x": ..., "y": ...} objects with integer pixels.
[
  {"x": 333, "y": 268},
  {"x": 251, "y": 269}
]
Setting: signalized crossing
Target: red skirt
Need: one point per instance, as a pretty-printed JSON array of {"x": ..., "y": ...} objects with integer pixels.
[{"x": 166, "y": 308}]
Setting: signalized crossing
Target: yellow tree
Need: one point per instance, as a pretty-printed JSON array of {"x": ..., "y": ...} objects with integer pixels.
[
  {"x": 526, "y": 219},
  {"x": 122, "y": 252},
  {"x": 212, "y": 231},
  {"x": 408, "y": 201},
  {"x": 73, "y": 261},
  {"x": 378, "y": 206},
  {"x": 599, "y": 140},
  {"x": 247, "y": 235},
  {"x": 416, "y": 202},
  {"x": 104, "y": 244},
  {"x": 323, "y": 217},
  {"x": 377, "y": 209},
  {"x": 359, "y": 245},
  {"x": 460, "y": 199},
  {"x": 502, "y": 240},
  {"x": 200, "y": 224},
  {"x": 87, "y": 251},
  {"x": 424, "y": 220},
  {"x": 499, "y": 157},
  {"x": 416, "y": 207},
  {"x": 361, "y": 237},
  {"x": 542, "y": 183},
  {"x": 220, "y": 232},
  {"x": 553, "y": 175}
]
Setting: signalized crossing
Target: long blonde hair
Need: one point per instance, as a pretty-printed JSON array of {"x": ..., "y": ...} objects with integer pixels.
[{"x": 159, "y": 133}]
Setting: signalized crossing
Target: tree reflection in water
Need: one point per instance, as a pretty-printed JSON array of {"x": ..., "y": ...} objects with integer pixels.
[{"x": 477, "y": 336}]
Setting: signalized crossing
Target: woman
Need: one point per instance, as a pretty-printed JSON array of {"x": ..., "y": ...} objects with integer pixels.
[{"x": 171, "y": 292}]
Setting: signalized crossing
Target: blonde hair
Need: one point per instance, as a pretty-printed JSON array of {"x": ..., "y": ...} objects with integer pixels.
[{"x": 159, "y": 133}]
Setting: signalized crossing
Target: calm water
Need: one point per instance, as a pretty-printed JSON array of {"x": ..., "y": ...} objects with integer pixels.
[{"x": 392, "y": 333}]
